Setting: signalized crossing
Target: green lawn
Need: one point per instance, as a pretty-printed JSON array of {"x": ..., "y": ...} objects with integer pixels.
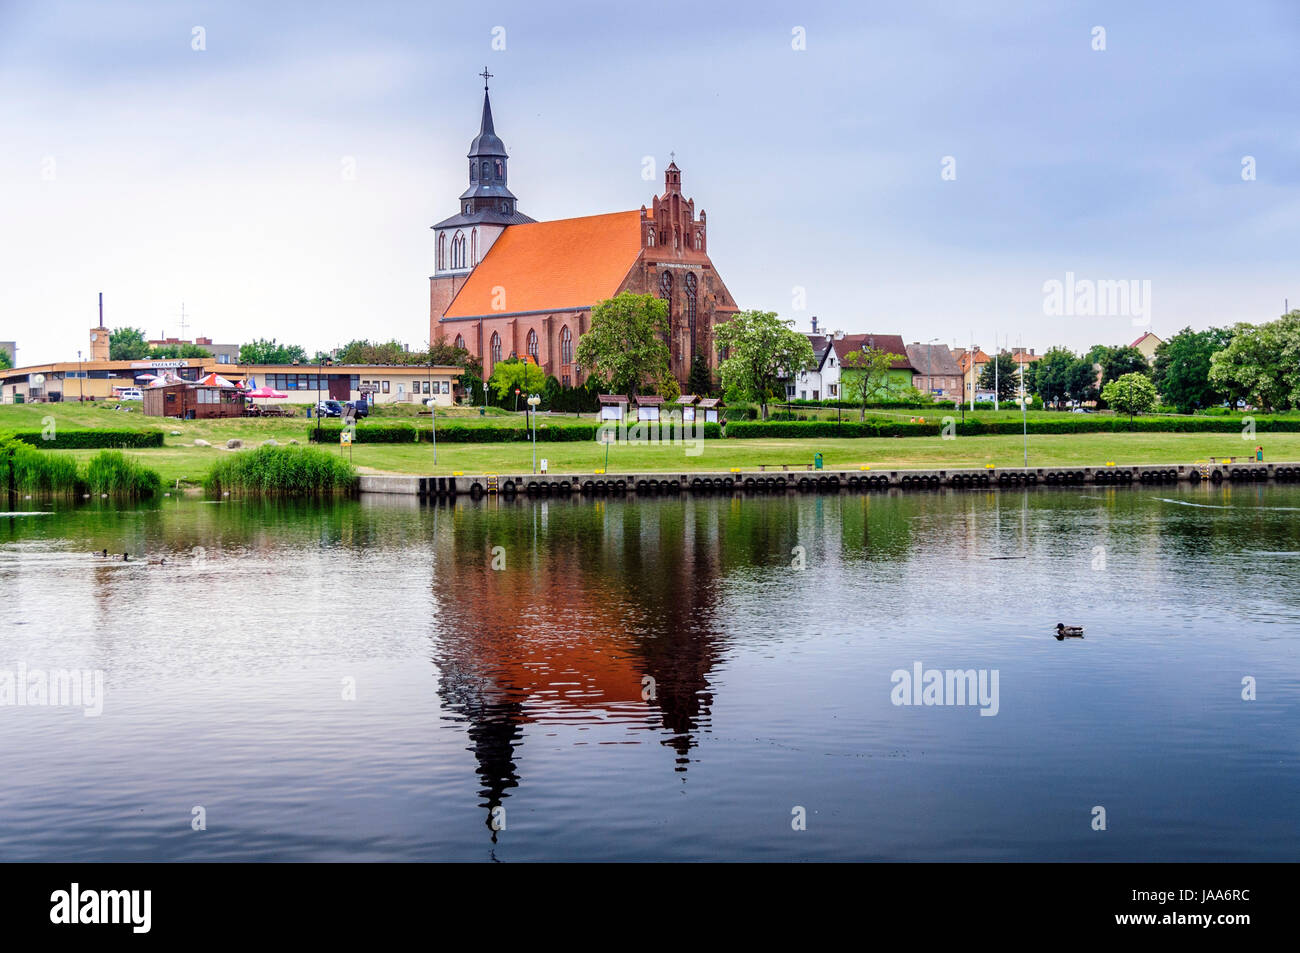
[{"x": 180, "y": 460}]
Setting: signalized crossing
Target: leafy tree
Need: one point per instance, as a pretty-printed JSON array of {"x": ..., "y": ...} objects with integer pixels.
[
  {"x": 761, "y": 348},
  {"x": 127, "y": 344},
  {"x": 1130, "y": 394},
  {"x": 511, "y": 374},
  {"x": 1262, "y": 363},
  {"x": 625, "y": 345},
  {"x": 1051, "y": 376},
  {"x": 446, "y": 354},
  {"x": 701, "y": 380},
  {"x": 1081, "y": 381},
  {"x": 262, "y": 351},
  {"x": 1117, "y": 361},
  {"x": 865, "y": 375},
  {"x": 5, "y": 361},
  {"x": 1006, "y": 380},
  {"x": 1181, "y": 371}
]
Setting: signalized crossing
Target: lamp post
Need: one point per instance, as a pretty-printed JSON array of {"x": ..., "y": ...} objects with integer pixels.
[
  {"x": 533, "y": 401},
  {"x": 433, "y": 411},
  {"x": 320, "y": 367},
  {"x": 929, "y": 365},
  {"x": 81, "y": 383}
]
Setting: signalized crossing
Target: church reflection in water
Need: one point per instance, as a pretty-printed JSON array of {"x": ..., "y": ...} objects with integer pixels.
[{"x": 571, "y": 629}]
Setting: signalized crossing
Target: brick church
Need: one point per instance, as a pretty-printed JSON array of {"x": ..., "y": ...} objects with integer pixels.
[{"x": 505, "y": 285}]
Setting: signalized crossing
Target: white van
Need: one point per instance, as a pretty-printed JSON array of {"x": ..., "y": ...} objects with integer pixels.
[{"x": 128, "y": 393}]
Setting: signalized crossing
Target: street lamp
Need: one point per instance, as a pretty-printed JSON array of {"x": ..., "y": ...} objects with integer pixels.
[
  {"x": 433, "y": 410},
  {"x": 81, "y": 382},
  {"x": 533, "y": 401},
  {"x": 929, "y": 365}
]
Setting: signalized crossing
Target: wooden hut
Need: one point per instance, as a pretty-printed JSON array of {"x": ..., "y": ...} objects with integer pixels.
[
  {"x": 712, "y": 407},
  {"x": 193, "y": 402}
]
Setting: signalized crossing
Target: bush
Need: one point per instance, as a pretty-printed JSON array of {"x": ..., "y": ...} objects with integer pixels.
[
  {"x": 93, "y": 439},
  {"x": 114, "y": 473},
  {"x": 283, "y": 471},
  {"x": 459, "y": 433},
  {"x": 1084, "y": 423}
]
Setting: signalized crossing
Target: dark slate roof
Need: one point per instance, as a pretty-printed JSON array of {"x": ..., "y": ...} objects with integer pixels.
[
  {"x": 486, "y": 143},
  {"x": 890, "y": 343},
  {"x": 933, "y": 360},
  {"x": 486, "y": 217},
  {"x": 820, "y": 344}
]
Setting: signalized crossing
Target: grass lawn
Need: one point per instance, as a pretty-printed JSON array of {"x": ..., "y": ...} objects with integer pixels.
[{"x": 180, "y": 460}]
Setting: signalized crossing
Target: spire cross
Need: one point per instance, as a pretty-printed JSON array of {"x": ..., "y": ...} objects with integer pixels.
[
  {"x": 486, "y": 76},
  {"x": 672, "y": 157}
]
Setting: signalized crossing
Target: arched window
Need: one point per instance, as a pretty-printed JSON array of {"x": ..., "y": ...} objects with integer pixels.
[
  {"x": 442, "y": 251},
  {"x": 566, "y": 346},
  {"x": 458, "y": 251},
  {"x": 460, "y": 341},
  {"x": 473, "y": 171},
  {"x": 699, "y": 240},
  {"x": 496, "y": 347},
  {"x": 532, "y": 344},
  {"x": 487, "y": 169},
  {"x": 690, "y": 305},
  {"x": 500, "y": 168},
  {"x": 473, "y": 247},
  {"x": 666, "y": 289},
  {"x": 651, "y": 238}
]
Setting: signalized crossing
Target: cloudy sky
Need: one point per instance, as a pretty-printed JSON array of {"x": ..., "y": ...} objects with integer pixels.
[{"x": 281, "y": 181}]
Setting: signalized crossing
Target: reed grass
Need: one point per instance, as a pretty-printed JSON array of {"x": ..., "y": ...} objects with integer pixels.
[
  {"x": 282, "y": 471},
  {"x": 114, "y": 473}
]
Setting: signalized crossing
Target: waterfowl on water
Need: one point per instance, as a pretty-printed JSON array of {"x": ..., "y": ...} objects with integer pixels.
[
  {"x": 1064, "y": 631},
  {"x": 102, "y": 554},
  {"x": 158, "y": 562},
  {"x": 126, "y": 557}
]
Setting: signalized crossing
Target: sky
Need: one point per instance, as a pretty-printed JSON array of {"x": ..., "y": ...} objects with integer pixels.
[{"x": 924, "y": 169}]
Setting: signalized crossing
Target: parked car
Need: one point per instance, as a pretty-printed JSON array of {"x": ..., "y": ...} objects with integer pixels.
[
  {"x": 329, "y": 408},
  {"x": 130, "y": 393},
  {"x": 360, "y": 407}
]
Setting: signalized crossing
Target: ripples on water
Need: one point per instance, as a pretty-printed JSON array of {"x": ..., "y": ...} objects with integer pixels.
[{"x": 653, "y": 680}]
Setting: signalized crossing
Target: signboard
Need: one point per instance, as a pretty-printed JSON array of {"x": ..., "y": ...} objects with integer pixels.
[
  {"x": 160, "y": 365},
  {"x": 368, "y": 388},
  {"x": 345, "y": 438}
]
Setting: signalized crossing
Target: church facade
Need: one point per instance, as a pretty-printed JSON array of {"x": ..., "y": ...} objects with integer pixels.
[{"x": 505, "y": 285}]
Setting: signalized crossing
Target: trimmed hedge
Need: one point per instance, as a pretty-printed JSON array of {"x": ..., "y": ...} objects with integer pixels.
[
  {"x": 826, "y": 429},
  {"x": 455, "y": 433},
  {"x": 93, "y": 439}
]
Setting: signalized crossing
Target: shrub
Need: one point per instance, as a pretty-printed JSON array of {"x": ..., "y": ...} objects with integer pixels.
[
  {"x": 93, "y": 439},
  {"x": 283, "y": 471},
  {"x": 114, "y": 473},
  {"x": 34, "y": 471}
]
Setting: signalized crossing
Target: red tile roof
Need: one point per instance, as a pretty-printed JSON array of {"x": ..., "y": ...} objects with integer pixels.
[
  {"x": 551, "y": 266},
  {"x": 890, "y": 343}
]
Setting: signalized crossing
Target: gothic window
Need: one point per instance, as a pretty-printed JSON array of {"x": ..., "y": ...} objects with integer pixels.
[
  {"x": 566, "y": 346},
  {"x": 442, "y": 250},
  {"x": 473, "y": 247},
  {"x": 699, "y": 240},
  {"x": 458, "y": 251},
  {"x": 666, "y": 289},
  {"x": 473, "y": 171},
  {"x": 496, "y": 347},
  {"x": 487, "y": 169},
  {"x": 690, "y": 304},
  {"x": 532, "y": 344},
  {"x": 501, "y": 169},
  {"x": 460, "y": 341}
]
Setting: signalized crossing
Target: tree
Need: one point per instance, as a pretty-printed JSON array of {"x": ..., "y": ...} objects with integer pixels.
[
  {"x": 626, "y": 344},
  {"x": 127, "y": 344},
  {"x": 262, "y": 351},
  {"x": 511, "y": 374},
  {"x": 5, "y": 361},
  {"x": 1117, "y": 361},
  {"x": 1006, "y": 381},
  {"x": 1050, "y": 376},
  {"x": 1181, "y": 371},
  {"x": 865, "y": 375},
  {"x": 761, "y": 348},
  {"x": 701, "y": 380},
  {"x": 1262, "y": 363},
  {"x": 1081, "y": 381},
  {"x": 1130, "y": 394}
]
